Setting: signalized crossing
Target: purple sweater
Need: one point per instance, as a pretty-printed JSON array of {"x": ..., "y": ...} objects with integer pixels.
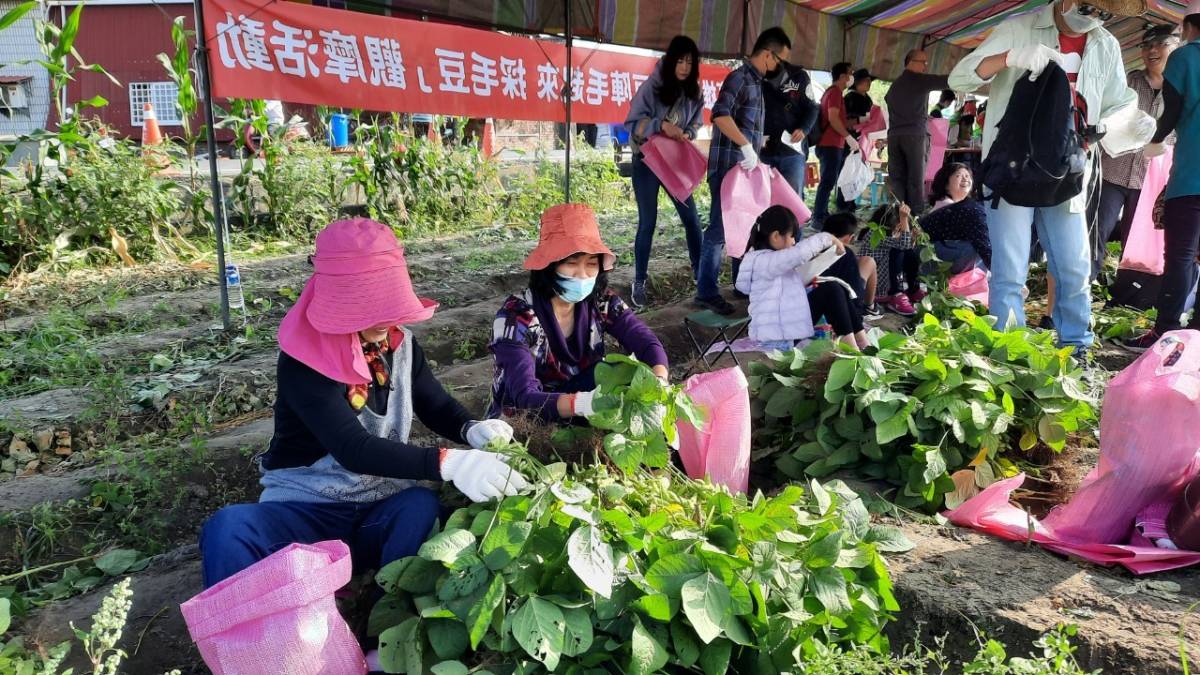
[{"x": 534, "y": 361}]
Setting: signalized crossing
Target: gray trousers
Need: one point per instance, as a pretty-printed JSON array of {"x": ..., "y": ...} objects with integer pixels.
[{"x": 906, "y": 168}]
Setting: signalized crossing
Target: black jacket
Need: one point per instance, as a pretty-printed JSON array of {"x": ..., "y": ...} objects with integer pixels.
[{"x": 788, "y": 108}]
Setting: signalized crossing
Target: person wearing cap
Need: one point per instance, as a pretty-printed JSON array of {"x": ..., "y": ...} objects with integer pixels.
[
  {"x": 791, "y": 116},
  {"x": 1071, "y": 33},
  {"x": 835, "y": 136},
  {"x": 1181, "y": 206},
  {"x": 1122, "y": 176},
  {"x": 908, "y": 128},
  {"x": 352, "y": 382},
  {"x": 737, "y": 119},
  {"x": 547, "y": 340},
  {"x": 858, "y": 107}
]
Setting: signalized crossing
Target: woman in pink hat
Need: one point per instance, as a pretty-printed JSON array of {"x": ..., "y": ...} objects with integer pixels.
[
  {"x": 351, "y": 381},
  {"x": 548, "y": 340}
]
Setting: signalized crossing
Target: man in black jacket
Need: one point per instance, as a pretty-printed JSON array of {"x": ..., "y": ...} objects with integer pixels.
[{"x": 791, "y": 113}]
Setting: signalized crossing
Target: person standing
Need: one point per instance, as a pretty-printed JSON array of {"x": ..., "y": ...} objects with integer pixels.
[
  {"x": 835, "y": 136},
  {"x": 858, "y": 108},
  {"x": 1070, "y": 33},
  {"x": 789, "y": 111},
  {"x": 738, "y": 119},
  {"x": 1123, "y": 176},
  {"x": 944, "y": 104},
  {"x": 1181, "y": 216},
  {"x": 908, "y": 131},
  {"x": 669, "y": 103}
]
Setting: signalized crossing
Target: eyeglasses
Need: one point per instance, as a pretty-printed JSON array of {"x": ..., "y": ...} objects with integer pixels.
[
  {"x": 1088, "y": 10},
  {"x": 778, "y": 58}
]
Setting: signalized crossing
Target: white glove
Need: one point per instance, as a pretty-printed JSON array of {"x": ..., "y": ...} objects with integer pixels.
[
  {"x": 749, "y": 157},
  {"x": 1154, "y": 150},
  {"x": 481, "y": 476},
  {"x": 854, "y": 146},
  {"x": 582, "y": 406},
  {"x": 1144, "y": 128},
  {"x": 1033, "y": 58},
  {"x": 480, "y": 434}
]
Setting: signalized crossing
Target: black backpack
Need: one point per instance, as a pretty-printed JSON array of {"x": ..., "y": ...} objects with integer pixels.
[{"x": 1037, "y": 158}]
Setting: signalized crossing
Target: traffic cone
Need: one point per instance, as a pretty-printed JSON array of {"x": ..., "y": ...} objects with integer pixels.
[
  {"x": 489, "y": 138},
  {"x": 150, "y": 132}
]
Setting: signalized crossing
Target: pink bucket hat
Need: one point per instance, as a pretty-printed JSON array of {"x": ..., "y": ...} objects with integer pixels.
[
  {"x": 360, "y": 281},
  {"x": 568, "y": 229}
]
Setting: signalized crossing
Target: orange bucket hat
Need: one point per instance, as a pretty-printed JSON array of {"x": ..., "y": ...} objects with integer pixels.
[{"x": 568, "y": 229}]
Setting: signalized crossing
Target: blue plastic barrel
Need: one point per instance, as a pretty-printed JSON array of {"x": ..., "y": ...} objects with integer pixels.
[{"x": 339, "y": 130}]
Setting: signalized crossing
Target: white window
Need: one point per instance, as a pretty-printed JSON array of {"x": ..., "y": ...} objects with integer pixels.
[
  {"x": 13, "y": 96},
  {"x": 161, "y": 95}
]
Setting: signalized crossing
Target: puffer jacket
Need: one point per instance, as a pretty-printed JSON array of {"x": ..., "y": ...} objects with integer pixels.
[{"x": 778, "y": 299}]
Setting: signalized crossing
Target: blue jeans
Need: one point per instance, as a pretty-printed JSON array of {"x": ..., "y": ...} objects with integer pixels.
[
  {"x": 713, "y": 248},
  {"x": 377, "y": 533},
  {"x": 645, "y": 191},
  {"x": 831, "y": 166},
  {"x": 1064, "y": 236},
  {"x": 961, "y": 255},
  {"x": 792, "y": 167}
]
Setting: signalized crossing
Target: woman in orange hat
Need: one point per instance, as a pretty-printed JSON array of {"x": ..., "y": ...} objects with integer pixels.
[
  {"x": 547, "y": 340},
  {"x": 352, "y": 380}
]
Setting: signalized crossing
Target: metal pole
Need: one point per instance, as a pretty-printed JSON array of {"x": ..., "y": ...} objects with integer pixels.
[
  {"x": 567, "y": 96},
  {"x": 218, "y": 199}
]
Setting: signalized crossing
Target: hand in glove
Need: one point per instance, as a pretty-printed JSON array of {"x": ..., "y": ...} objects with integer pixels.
[
  {"x": 581, "y": 403},
  {"x": 854, "y": 146},
  {"x": 1154, "y": 149},
  {"x": 1144, "y": 128},
  {"x": 481, "y": 476},
  {"x": 749, "y": 157},
  {"x": 1033, "y": 58},
  {"x": 480, "y": 434}
]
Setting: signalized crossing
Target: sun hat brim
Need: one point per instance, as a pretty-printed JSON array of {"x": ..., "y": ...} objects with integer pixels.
[
  {"x": 1121, "y": 7},
  {"x": 548, "y": 253},
  {"x": 349, "y": 303}
]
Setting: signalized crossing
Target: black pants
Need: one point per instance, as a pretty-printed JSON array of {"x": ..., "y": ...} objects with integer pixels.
[
  {"x": 1181, "y": 229},
  {"x": 1112, "y": 217},
  {"x": 830, "y": 300},
  {"x": 907, "y": 156},
  {"x": 904, "y": 270}
]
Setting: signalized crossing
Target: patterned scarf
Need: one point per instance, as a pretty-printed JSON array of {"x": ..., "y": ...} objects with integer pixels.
[{"x": 374, "y": 353}]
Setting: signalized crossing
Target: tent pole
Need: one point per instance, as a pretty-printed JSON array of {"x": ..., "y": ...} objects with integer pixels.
[
  {"x": 568, "y": 95},
  {"x": 218, "y": 199}
]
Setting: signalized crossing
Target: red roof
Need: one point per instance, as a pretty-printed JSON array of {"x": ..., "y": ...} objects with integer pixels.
[{"x": 14, "y": 79}]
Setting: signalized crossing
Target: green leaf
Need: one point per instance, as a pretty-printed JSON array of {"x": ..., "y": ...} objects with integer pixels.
[
  {"x": 540, "y": 628},
  {"x": 577, "y": 633},
  {"x": 657, "y": 606},
  {"x": 12, "y": 16},
  {"x": 446, "y": 546},
  {"x": 888, "y": 538},
  {"x": 824, "y": 500},
  {"x": 450, "y": 668},
  {"x": 5, "y": 615},
  {"x": 934, "y": 365},
  {"x": 687, "y": 647},
  {"x": 892, "y": 428},
  {"x": 467, "y": 575},
  {"x": 935, "y": 465},
  {"x": 591, "y": 559},
  {"x": 412, "y": 574},
  {"x": 1028, "y": 440},
  {"x": 448, "y": 638},
  {"x": 840, "y": 375},
  {"x": 389, "y": 611},
  {"x": 117, "y": 561},
  {"x": 67, "y": 37},
  {"x": 504, "y": 543},
  {"x": 401, "y": 648},
  {"x": 714, "y": 658},
  {"x": 706, "y": 603},
  {"x": 829, "y": 586},
  {"x": 646, "y": 654},
  {"x": 668, "y": 574},
  {"x": 823, "y": 552},
  {"x": 1052, "y": 432},
  {"x": 480, "y": 615},
  {"x": 783, "y": 402}
]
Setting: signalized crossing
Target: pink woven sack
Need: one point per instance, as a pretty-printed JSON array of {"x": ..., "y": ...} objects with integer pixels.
[
  {"x": 278, "y": 616},
  {"x": 720, "y": 449},
  {"x": 744, "y": 196},
  {"x": 783, "y": 194},
  {"x": 679, "y": 165},
  {"x": 971, "y": 284},
  {"x": 939, "y": 131},
  {"x": 1144, "y": 247}
]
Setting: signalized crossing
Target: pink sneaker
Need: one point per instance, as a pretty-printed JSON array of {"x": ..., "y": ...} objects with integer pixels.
[
  {"x": 900, "y": 304},
  {"x": 917, "y": 295}
]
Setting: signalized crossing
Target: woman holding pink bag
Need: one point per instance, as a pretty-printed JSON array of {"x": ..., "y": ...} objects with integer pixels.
[
  {"x": 352, "y": 380},
  {"x": 669, "y": 103}
]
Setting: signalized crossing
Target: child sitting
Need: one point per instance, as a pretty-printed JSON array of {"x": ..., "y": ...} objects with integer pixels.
[
  {"x": 773, "y": 273},
  {"x": 896, "y": 260},
  {"x": 858, "y": 272}
]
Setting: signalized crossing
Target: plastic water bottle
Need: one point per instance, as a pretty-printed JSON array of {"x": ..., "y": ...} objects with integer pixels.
[
  {"x": 233, "y": 285},
  {"x": 822, "y": 330}
]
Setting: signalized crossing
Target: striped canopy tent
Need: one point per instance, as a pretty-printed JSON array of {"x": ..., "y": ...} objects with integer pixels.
[{"x": 869, "y": 33}]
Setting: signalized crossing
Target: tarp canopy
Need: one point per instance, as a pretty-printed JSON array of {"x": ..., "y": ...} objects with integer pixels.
[{"x": 869, "y": 33}]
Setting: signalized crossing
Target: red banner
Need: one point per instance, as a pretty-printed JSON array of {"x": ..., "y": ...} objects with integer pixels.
[{"x": 304, "y": 54}]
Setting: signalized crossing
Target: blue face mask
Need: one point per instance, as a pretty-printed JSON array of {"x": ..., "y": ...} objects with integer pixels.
[{"x": 574, "y": 290}]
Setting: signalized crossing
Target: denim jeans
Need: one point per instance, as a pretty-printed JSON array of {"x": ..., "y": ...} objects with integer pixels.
[
  {"x": 377, "y": 533},
  {"x": 1181, "y": 234},
  {"x": 646, "y": 186},
  {"x": 713, "y": 249},
  {"x": 831, "y": 166},
  {"x": 1064, "y": 236},
  {"x": 961, "y": 255},
  {"x": 792, "y": 167}
]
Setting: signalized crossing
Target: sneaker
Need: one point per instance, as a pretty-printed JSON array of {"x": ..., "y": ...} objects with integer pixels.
[
  {"x": 1141, "y": 343},
  {"x": 917, "y": 296},
  {"x": 900, "y": 304},
  {"x": 638, "y": 296},
  {"x": 717, "y": 304},
  {"x": 1082, "y": 353},
  {"x": 1047, "y": 323},
  {"x": 872, "y": 311}
]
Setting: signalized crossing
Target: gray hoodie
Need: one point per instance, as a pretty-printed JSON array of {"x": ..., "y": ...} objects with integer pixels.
[{"x": 687, "y": 114}]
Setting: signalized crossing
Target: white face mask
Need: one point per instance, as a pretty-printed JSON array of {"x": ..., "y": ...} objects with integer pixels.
[{"x": 1079, "y": 23}]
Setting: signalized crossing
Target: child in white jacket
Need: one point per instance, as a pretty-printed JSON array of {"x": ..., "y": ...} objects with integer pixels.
[{"x": 776, "y": 273}]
